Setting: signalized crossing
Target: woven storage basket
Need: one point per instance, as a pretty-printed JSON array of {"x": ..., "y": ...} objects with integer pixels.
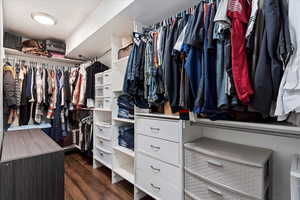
[
  {"x": 202, "y": 189},
  {"x": 124, "y": 52},
  {"x": 243, "y": 178}
]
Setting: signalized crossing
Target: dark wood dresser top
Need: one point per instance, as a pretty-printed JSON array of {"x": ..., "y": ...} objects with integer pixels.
[{"x": 27, "y": 143}]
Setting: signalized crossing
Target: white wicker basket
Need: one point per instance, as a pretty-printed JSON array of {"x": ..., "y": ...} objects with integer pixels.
[
  {"x": 243, "y": 178},
  {"x": 200, "y": 189},
  {"x": 238, "y": 167}
]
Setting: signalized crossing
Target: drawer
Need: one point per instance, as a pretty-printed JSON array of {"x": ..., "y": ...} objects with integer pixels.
[
  {"x": 107, "y": 91},
  {"x": 99, "y": 79},
  {"x": 103, "y": 103},
  {"x": 243, "y": 178},
  {"x": 107, "y": 78},
  {"x": 158, "y": 169},
  {"x": 159, "y": 128},
  {"x": 198, "y": 189},
  {"x": 104, "y": 143},
  {"x": 161, "y": 149},
  {"x": 104, "y": 132},
  {"x": 103, "y": 156},
  {"x": 157, "y": 188},
  {"x": 99, "y": 91},
  {"x": 103, "y": 91}
]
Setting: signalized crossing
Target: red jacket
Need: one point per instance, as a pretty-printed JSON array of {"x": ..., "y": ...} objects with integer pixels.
[{"x": 239, "y": 12}]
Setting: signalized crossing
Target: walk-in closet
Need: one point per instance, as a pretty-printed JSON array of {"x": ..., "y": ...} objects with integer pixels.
[{"x": 143, "y": 100}]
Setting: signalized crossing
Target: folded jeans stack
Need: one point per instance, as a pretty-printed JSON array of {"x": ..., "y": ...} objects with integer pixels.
[
  {"x": 126, "y": 136},
  {"x": 126, "y": 107}
]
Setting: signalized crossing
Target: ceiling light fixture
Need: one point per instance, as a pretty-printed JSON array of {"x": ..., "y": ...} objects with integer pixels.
[{"x": 43, "y": 18}]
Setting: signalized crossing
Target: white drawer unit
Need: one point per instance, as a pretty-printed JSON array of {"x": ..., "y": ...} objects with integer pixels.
[
  {"x": 164, "y": 129},
  {"x": 103, "y": 132},
  {"x": 103, "y": 103},
  {"x": 107, "y": 79},
  {"x": 99, "y": 79},
  {"x": 160, "y": 149},
  {"x": 99, "y": 91},
  {"x": 244, "y": 169},
  {"x": 199, "y": 189},
  {"x": 107, "y": 91},
  {"x": 103, "y": 78},
  {"x": 158, "y": 169},
  {"x": 103, "y": 91},
  {"x": 104, "y": 143}
]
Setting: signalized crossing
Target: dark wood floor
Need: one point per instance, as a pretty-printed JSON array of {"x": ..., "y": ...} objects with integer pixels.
[{"x": 82, "y": 182}]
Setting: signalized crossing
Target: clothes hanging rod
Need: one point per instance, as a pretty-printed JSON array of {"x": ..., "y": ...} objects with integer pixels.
[
  {"x": 93, "y": 59},
  {"x": 16, "y": 53}
]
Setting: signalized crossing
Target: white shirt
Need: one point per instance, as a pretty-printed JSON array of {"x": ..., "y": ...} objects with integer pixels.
[{"x": 289, "y": 92}]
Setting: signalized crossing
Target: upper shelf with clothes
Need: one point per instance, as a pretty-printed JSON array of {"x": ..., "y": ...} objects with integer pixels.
[
  {"x": 117, "y": 18},
  {"x": 16, "y": 53}
]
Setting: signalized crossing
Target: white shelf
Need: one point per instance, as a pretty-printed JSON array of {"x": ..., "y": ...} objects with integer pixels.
[
  {"x": 102, "y": 110},
  {"x": 158, "y": 115},
  {"x": 102, "y": 124},
  {"x": 102, "y": 162},
  {"x": 15, "y": 52},
  {"x": 262, "y": 128},
  {"x": 126, "y": 172},
  {"x": 69, "y": 148},
  {"x": 37, "y": 126},
  {"x": 124, "y": 120},
  {"x": 96, "y": 109},
  {"x": 124, "y": 150},
  {"x": 77, "y": 146}
]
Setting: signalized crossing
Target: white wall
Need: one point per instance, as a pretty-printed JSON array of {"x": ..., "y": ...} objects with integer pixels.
[
  {"x": 106, "y": 10},
  {"x": 1, "y": 73},
  {"x": 283, "y": 148}
]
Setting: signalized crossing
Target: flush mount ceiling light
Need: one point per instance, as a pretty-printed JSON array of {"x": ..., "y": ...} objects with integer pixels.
[{"x": 43, "y": 18}]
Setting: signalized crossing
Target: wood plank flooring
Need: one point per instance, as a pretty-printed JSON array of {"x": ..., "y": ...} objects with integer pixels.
[{"x": 82, "y": 182}]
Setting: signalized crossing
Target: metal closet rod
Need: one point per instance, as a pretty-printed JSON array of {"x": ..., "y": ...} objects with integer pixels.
[
  {"x": 27, "y": 60},
  {"x": 94, "y": 59}
]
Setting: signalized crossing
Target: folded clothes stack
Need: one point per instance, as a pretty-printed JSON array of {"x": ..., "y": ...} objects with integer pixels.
[
  {"x": 126, "y": 107},
  {"x": 126, "y": 136}
]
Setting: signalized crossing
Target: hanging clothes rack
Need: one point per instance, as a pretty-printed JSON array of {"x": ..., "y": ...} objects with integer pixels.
[
  {"x": 14, "y": 59},
  {"x": 169, "y": 20}
]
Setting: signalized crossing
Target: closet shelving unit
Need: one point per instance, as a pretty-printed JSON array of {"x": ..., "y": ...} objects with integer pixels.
[
  {"x": 18, "y": 53},
  {"x": 102, "y": 151},
  {"x": 120, "y": 159},
  {"x": 123, "y": 158}
]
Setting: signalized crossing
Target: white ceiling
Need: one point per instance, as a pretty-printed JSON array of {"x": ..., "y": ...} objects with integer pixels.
[{"x": 68, "y": 13}]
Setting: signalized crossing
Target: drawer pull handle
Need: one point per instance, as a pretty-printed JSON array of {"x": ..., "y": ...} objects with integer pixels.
[
  {"x": 106, "y": 75},
  {"x": 101, "y": 154},
  {"x": 106, "y": 100},
  {"x": 214, "y": 163},
  {"x": 101, "y": 142},
  {"x": 154, "y": 129},
  {"x": 155, "y": 147},
  {"x": 100, "y": 129},
  {"x": 106, "y": 88},
  {"x": 155, "y": 187},
  {"x": 214, "y": 191},
  {"x": 155, "y": 169}
]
